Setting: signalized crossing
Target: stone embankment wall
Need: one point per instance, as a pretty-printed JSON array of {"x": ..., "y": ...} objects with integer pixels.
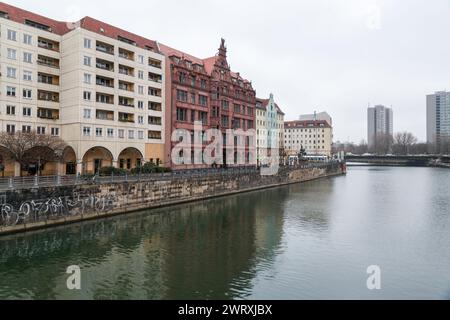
[{"x": 23, "y": 210}]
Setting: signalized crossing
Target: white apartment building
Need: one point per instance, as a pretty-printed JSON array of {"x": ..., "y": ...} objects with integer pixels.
[
  {"x": 96, "y": 86},
  {"x": 315, "y": 137},
  {"x": 438, "y": 121},
  {"x": 380, "y": 122},
  {"x": 269, "y": 129}
]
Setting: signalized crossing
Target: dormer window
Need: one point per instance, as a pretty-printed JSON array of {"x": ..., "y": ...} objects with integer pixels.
[
  {"x": 4, "y": 15},
  {"x": 126, "y": 40},
  {"x": 38, "y": 25}
]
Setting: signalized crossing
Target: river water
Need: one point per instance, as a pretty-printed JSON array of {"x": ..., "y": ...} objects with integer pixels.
[{"x": 307, "y": 241}]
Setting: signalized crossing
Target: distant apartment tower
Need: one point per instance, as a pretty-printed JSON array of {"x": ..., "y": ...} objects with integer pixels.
[
  {"x": 380, "y": 123},
  {"x": 438, "y": 118}
]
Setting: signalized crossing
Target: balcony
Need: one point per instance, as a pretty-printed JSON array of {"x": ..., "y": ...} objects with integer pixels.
[
  {"x": 48, "y": 79},
  {"x": 104, "y": 115},
  {"x": 126, "y": 117},
  {"x": 105, "y": 82},
  {"x": 128, "y": 71},
  {"x": 126, "y": 102},
  {"x": 105, "y": 48},
  {"x": 48, "y": 44},
  {"x": 155, "y": 121},
  {"x": 48, "y": 62},
  {"x": 49, "y": 114},
  {"x": 126, "y": 54},
  {"x": 104, "y": 65},
  {"x": 155, "y": 106},
  {"x": 48, "y": 96},
  {"x": 154, "y": 135},
  {"x": 154, "y": 77},
  {"x": 126, "y": 86},
  {"x": 104, "y": 98},
  {"x": 154, "y": 63},
  {"x": 154, "y": 92}
]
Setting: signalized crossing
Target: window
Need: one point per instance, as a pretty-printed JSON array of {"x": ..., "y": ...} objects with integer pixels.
[
  {"x": 141, "y": 135},
  {"x": 203, "y": 84},
  {"x": 141, "y": 74},
  {"x": 12, "y": 35},
  {"x": 141, "y": 59},
  {"x": 87, "y": 113},
  {"x": 87, "y": 95},
  {"x": 26, "y": 112},
  {"x": 12, "y": 54},
  {"x": 140, "y": 119},
  {"x": 11, "y": 110},
  {"x": 182, "y": 95},
  {"x": 121, "y": 133},
  {"x": 26, "y": 129},
  {"x": 10, "y": 128},
  {"x": 55, "y": 132},
  {"x": 87, "y": 78},
  {"x": 87, "y": 61},
  {"x": 87, "y": 43},
  {"x": 11, "y": 91},
  {"x": 86, "y": 131},
  {"x": 27, "y": 57},
  {"x": 27, "y": 39},
  {"x": 110, "y": 133},
  {"x": 11, "y": 72},
  {"x": 130, "y": 134},
  {"x": 203, "y": 100},
  {"x": 99, "y": 132},
  {"x": 27, "y": 93},
  {"x": 141, "y": 89},
  {"x": 27, "y": 75},
  {"x": 140, "y": 104},
  {"x": 40, "y": 130},
  {"x": 181, "y": 114},
  {"x": 193, "y": 98}
]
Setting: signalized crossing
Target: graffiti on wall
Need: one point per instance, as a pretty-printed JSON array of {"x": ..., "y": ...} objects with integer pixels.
[{"x": 54, "y": 207}]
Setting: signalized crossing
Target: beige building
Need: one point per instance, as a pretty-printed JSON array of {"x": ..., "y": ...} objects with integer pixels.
[
  {"x": 269, "y": 129},
  {"x": 96, "y": 86},
  {"x": 315, "y": 137}
]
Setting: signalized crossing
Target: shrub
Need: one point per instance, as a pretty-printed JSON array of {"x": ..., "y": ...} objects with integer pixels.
[
  {"x": 107, "y": 171},
  {"x": 149, "y": 168}
]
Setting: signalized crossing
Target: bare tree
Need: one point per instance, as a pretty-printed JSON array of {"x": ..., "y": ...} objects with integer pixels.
[
  {"x": 403, "y": 141},
  {"x": 30, "y": 148},
  {"x": 383, "y": 144}
]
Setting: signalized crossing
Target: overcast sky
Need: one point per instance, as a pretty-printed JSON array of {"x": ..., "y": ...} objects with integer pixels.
[{"x": 332, "y": 55}]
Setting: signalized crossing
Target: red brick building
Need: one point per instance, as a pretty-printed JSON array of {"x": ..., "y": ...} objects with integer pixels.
[{"x": 207, "y": 91}]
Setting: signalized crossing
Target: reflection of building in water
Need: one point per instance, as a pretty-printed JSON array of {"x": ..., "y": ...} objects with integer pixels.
[{"x": 204, "y": 250}]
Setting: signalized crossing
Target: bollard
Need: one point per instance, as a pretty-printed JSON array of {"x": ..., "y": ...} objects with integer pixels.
[
  {"x": 11, "y": 183},
  {"x": 36, "y": 181}
]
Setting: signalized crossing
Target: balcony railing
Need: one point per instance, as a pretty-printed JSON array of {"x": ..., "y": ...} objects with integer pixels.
[
  {"x": 105, "y": 49},
  {"x": 48, "y": 64}
]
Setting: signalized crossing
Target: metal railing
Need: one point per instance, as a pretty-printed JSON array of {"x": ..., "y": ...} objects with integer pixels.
[{"x": 17, "y": 183}]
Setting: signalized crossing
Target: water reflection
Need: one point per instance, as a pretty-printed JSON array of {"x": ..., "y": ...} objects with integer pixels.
[
  {"x": 206, "y": 250},
  {"x": 305, "y": 241}
]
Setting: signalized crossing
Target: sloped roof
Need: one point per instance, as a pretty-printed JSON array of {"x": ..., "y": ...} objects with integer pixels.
[
  {"x": 169, "y": 51},
  {"x": 60, "y": 28},
  {"x": 207, "y": 63},
  {"x": 19, "y": 15},
  {"x": 110, "y": 31},
  {"x": 265, "y": 102}
]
